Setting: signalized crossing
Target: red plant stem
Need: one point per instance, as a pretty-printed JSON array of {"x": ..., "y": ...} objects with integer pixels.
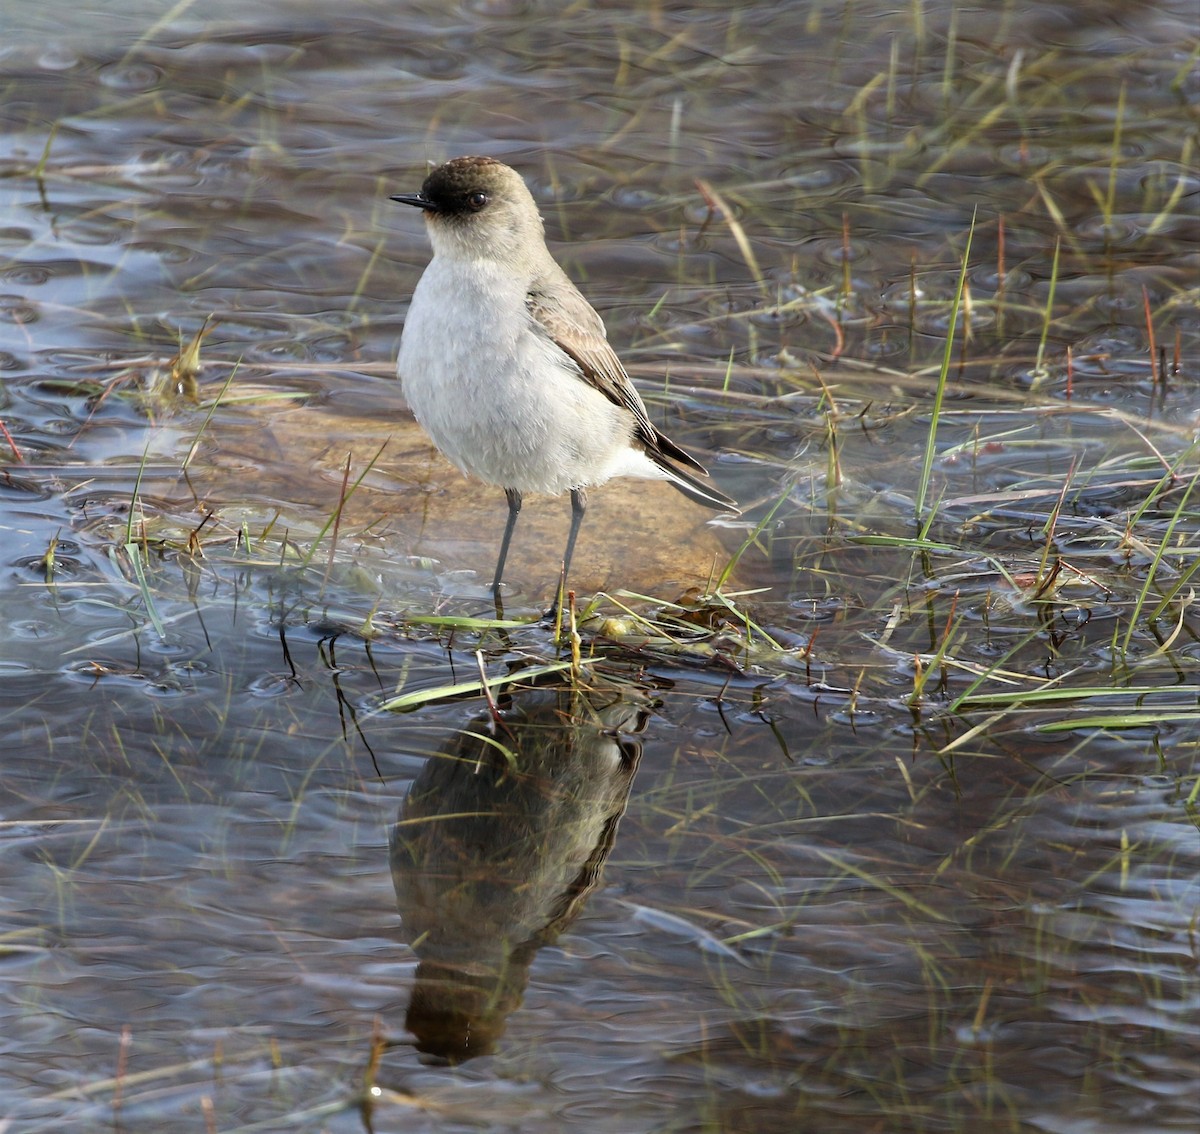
[
  {"x": 20, "y": 457},
  {"x": 1154, "y": 375}
]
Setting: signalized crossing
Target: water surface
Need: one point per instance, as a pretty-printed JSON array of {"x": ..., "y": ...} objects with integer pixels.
[{"x": 761, "y": 867}]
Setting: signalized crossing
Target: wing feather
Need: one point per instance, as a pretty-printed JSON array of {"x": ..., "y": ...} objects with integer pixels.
[{"x": 561, "y": 311}]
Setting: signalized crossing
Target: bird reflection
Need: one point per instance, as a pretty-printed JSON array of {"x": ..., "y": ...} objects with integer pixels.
[{"x": 500, "y": 839}]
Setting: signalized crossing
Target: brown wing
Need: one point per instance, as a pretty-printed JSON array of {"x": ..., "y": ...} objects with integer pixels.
[{"x": 561, "y": 311}]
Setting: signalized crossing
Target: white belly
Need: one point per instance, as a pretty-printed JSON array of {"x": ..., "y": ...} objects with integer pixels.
[{"x": 499, "y": 399}]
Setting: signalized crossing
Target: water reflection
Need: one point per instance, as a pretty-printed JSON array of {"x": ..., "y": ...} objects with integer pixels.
[{"x": 499, "y": 841}]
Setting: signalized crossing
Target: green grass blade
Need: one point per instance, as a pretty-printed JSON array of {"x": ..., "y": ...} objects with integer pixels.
[{"x": 922, "y": 493}]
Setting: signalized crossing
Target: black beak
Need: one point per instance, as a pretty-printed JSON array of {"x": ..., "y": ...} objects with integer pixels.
[{"x": 417, "y": 199}]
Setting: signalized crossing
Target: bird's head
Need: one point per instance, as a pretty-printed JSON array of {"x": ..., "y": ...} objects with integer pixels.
[{"x": 479, "y": 208}]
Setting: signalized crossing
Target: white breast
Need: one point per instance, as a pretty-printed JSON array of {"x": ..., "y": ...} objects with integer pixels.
[{"x": 497, "y": 396}]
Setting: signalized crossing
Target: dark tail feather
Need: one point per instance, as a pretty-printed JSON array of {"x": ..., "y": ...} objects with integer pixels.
[
  {"x": 664, "y": 446},
  {"x": 694, "y": 489}
]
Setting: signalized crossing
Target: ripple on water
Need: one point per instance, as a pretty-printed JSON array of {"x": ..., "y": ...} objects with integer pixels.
[
  {"x": 988, "y": 277},
  {"x": 18, "y": 310},
  {"x": 637, "y": 198},
  {"x": 1025, "y": 155},
  {"x": 32, "y": 275},
  {"x": 1114, "y": 231},
  {"x": 131, "y": 76},
  {"x": 165, "y": 252},
  {"x": 87, "y": 225},
  {"x": 816, "y": 179},
  {"x": 560, "y": 189},
  {"x": 835, "y": 251},
  {"x": 60, "y": 568},
  {"x": 939, "y": 322},
  {"x": 59, "y": 57},
  {"x": 21, "y": 489}
]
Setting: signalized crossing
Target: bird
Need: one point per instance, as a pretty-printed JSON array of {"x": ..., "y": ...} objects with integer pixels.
[{"x": 508, "y": 368}]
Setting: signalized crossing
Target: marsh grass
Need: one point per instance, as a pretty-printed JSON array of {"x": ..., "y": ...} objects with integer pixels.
[{"x": 1127, "y": 575}]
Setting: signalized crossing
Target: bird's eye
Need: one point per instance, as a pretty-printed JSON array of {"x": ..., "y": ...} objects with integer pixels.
[{"x": 477, "y": 200}]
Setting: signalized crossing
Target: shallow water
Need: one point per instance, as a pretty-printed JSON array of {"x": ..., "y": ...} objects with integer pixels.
[{"x": 762, "y": 877}]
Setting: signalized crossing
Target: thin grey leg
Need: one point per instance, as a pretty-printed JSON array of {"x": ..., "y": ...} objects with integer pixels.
[
  {"x": 578, "y": 507},
  {"x": 514, "y": 510}
]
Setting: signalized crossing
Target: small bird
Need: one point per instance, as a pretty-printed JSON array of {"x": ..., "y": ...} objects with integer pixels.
[{"x": 507, "y": 366}]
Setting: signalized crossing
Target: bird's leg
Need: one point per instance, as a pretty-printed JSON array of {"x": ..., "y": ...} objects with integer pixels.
[
  {"x": 514, "y": 510},
  {"x": 578, "y": 507}
]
